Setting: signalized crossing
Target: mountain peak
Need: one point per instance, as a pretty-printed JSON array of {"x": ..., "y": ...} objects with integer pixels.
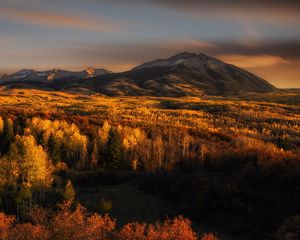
[
  {"x": 190, "y": 60},
  {"x": 90, "y": 68},
  {"x": 25, "y": 71},
  {"x": 185, "y": 55},
  {"x": 191, "y": 73},
  {"x": 91, "y": 71}
]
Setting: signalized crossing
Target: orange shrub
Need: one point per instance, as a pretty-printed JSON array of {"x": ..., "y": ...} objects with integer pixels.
[
  {"x": 5, "y": 225},
  {"x": 39, "y": 216},
  {"x": 133, "y": 231},
  {"x": 27, "y": 231},
  {"x": 67, "y": 225},
  {"x": 99, "y": 227},
  {"x": 177, "y": 229},
  {"x": 78, "y": 225}
]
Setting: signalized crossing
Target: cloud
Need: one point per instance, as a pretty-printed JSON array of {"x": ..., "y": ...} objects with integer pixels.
[
  {"x": 256, "y": 61},
  {"x": 274, "y": 11},
  {"x": 130, "y": 53},
  {"x": 122, "y": 55},
  {"x": 278, "y": 62},
  {"x": 58, "y": 20},
  {"x": 229, "y": 4},
  {"x": 281, "y": 75},
  {"x": 287, "y": 50},
  {"x": 119, "y": 56}
]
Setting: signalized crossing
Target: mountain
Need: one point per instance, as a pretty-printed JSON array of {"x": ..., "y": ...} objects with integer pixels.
[
  {"x": 44, "y": 76},
  {"x": 185, "y": 74}
]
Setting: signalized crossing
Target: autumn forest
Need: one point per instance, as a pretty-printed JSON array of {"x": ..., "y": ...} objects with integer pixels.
[{"x": 228, "y": 167}]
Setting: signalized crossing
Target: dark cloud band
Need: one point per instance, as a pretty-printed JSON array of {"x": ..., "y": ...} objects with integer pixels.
[
  {"x": 138, "y": 52},
  {"x": 229, "y": 3},
  {"x": 289, "y": 50}
]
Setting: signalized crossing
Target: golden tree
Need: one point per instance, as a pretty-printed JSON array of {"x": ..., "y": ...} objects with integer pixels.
[
  {"x": 31, "y": 160},
  {"x": 1, "y": 125}
]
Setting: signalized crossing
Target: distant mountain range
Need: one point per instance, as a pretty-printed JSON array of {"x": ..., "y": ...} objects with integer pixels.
[
  {"x": 185, "y": 74},
  {"x": 49, "y": 75}
]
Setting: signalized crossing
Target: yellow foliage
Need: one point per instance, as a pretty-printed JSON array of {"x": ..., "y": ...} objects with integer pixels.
[
  {"x": 30, "y": 160},
  {"x": 1, "y": 124},
  {"x": 103, "y": 132}
]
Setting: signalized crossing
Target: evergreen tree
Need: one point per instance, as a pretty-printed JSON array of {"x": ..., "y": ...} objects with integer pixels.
[
  {"x": 7, "y": 136},
  {"x": 20, "y": 124},
  {"x": 94, "y": 154},
  {"x": 54, "y": 149},
  {"x": 114, "y": 156},
  {"x": 23, "y": 201},
  {"x": 69, "y": 192}
]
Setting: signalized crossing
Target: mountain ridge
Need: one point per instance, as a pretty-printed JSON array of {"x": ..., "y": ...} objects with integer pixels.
[
  {"x": 49, "y": 75},
  {"x": 184, "y": 74}
]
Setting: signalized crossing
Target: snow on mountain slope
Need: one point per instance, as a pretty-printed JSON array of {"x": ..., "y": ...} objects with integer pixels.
[
  {"x": 190, "y": 60},
  {"x": 50, "y": 75}
]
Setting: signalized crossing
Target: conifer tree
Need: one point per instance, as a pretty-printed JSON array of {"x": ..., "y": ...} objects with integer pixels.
[
  {"x": 20, "y": 124},
  {"x": 69, "y": 192},
  {"x": 53, "y": 147},
  {"x": 114, "y": 158},
  {"x": 23, "y": 201},
  {"x": 7, "y": 136},
  {"x": 94, "y": 154}
]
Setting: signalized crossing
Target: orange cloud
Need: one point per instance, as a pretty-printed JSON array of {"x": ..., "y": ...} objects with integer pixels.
[
  {"x": 50, "y": 19},
  {"x": 282, "y": 75},
  {"x": 252, "y": 61},
  {"x": 187, "y": 44},
  {"x": 279, "y": 72}
]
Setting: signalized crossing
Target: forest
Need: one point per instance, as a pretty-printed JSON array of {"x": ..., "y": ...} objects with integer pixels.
[{"x": 222, "y": 162}]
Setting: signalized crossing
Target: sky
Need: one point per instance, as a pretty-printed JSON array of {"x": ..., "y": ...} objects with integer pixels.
[{"x": 262, "y": 37}]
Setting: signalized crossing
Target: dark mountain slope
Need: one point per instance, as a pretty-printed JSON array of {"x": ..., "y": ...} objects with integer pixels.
[{"x": 185, "y": 74}]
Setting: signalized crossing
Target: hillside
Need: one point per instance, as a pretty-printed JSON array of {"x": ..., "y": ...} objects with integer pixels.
[{"x": 185, "y": 74}]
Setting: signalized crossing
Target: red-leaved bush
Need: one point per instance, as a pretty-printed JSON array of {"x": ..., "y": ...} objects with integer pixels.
[{"x": 79, "y": 225}]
